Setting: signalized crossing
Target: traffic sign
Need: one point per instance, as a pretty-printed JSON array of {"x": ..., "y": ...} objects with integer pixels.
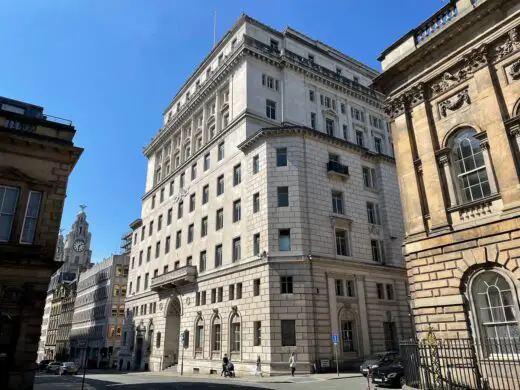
[{"x": 335, "y": 338}]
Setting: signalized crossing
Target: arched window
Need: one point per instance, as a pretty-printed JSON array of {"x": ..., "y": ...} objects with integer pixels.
[
  {"x": 234, "y": 330},
  {"x": 216, "y": 331},
  {"x": 469, "y": 166},
  {"x": 158, "y": 340},
  {"x": 199, "y": 334},
  {"x": 496, "y": 312}
]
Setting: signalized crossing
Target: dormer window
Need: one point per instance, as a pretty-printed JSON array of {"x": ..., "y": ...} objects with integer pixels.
[{"x": 274, "y": 44}]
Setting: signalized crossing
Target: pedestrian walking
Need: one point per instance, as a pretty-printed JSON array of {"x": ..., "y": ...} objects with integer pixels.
[
  {"x": 292, "y": 363},
  {"x": 258, "y": 370},
  {"x": 225, "y": 362}
]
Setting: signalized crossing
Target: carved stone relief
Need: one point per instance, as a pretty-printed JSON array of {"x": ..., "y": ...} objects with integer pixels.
[
  {"x": 514, "y": 70},
  {"x": 511, "y": 44},
  {"x": 454, "y": 103}
]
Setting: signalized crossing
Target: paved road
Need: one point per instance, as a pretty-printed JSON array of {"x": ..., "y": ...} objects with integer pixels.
[{"x": 146, "y": 381}]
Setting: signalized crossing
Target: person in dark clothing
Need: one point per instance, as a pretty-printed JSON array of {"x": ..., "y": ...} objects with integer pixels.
[{"x": 225, "y": 362}]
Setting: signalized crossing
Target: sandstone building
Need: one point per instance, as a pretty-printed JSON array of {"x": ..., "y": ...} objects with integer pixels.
[
  {"x": 271, "y": 215},
  {"x": 37, "y": 155},
  {"x": 453, "y": 85}
]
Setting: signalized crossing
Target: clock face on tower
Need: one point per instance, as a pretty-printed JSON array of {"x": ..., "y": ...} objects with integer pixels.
[{"x": 79, "y": 245}]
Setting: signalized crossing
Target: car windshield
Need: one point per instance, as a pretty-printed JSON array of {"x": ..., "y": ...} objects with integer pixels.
[{"x": 68, "y": 364}]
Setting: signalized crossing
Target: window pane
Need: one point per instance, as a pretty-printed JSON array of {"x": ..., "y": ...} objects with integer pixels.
[{"x": 29, "y": 225}]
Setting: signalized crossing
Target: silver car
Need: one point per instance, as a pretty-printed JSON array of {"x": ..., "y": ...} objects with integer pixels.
[
  {"x": 53, "y": 367},
  {"x": 68, "y": 368}
]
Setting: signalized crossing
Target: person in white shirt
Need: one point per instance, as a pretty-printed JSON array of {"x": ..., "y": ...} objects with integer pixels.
[{"x": 292, "y": 363}]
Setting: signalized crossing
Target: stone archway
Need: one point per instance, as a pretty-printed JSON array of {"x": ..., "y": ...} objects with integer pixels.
[{"x": 172, "y": 331}]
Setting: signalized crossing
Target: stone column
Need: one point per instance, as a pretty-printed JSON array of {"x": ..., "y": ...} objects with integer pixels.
[
  {"x": 363, "y": 317},
  {"x": 218, "y": 125},
  {"x": 426, "y": 153},
  {"x": 484, "y": 146},
  {"x": 408, "y": 183},
  {"x": 205, "y": 127},
  {"x": 333, "y": 307},
  {"x": 444, "y": 162}
]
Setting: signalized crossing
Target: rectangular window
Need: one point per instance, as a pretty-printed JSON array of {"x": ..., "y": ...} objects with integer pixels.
[
  {"x": 191, "y": 229},
  {"x": 237, "y": 175},
  {"x": 192, "y": 202},
  {"x": 235, "y": 336},
  {"x": 257, "y": 333},
  {"x": 342, "y": 107},
  {"x": 213, "y": 295},
  {"x": 157, "y": 249},
  {"x": 197, "y": 299},
  {"x": 311, "y": 95},
  {"x": 207, "y": 161},
  {"x": 286, "y": 285},
  {"x": 274, "y": 44},
  {"x": 143, "y": 231},
  {"x": 220, "y": 293},
  {"x": 202, "y": 261},
  {"x": 347, "y": 335},
  {"x": 378, "y": 145},
  {"x": 327, "y": 101},
  {"x": 369, "y": 177},
  {"x": 329, "y": 125},
  {"x": 281, "y": 157},
  {"x": 204, "y": 227},
  {"x": 270, "y": 109},
  {"x": 313, "y": 120},
  {"x": 216, "y": 337},
  {"x": 153, "y": 202},
  {"x": 310, "y": 57},
  {"x": 284, "y": 240},
  {"x": 236, "y": 249},
  {"x": 181, "y": 181},
  {"x": 180, "y": 209},
  {"x": 220, "y": 185},
  {"x": 194, "y": 171},
  {"x": 169, "y": 217},
  {"x": 337, "y": 202},
  {"x": 389, "y": 292},
  {"x": 256, "y": 287},
  {"x": 140, "y": 257},
  {"x": 178, "y": 239},
  {"x": 219, "y": 220},
  {"x": 205, "y": 194},
  {"x": 203, "y": 298},
  {"x": 150, "y": 229},
  {"x": 221, "y": 151},
  {"x": 288, "y": 329},
  {"x": 162, "y": 195},
  {"x": 172, "y": 183},
  {"x": 256, "y": 164},
  {"x": 31, "y": 217},
  {"x": 237, "y": 210},
  {"x": 350, "y": 288},
  {"x": 390, "y": 336},
  {"x": 256, "y": 202},
  {"x": 345, "y": 132},
  {"x": 177, "y": 264},
  {"x": 165, "y": 269},
  {"x": 138, "y": 284},
  {"x": 239, "y": 290},
  {"x": 380, "y": 291},
  {"x": 256, "y": 244},
  {"x": 146, "y": 275},
  {"x": 340, "y": 288},
  {"x": 377, "y": 250},
  {"x": 148, "y": 254},
  {"x": 342, "y": 248},
  {"x": 359, "y": 138},
  {"x": 218, "y": 255},
  {"x": 283, "y": 196},
  {"x": 373, "y": 213},
  {"x": 231, "y": 292},
  {"x": 159, "y": 223},
  {"x": 155, "y": 273}
]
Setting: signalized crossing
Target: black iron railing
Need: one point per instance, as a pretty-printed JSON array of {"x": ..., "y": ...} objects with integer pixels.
[
  {"x": 337, "y": 167},
  {"x": 462, "y": 364}
]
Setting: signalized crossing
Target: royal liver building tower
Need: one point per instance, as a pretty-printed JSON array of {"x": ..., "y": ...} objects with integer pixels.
[
  {"x": 74, "y": 252},
  {"x": 271, "y": 218}
]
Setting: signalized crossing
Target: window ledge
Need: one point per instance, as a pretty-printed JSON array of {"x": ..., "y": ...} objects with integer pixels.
[{"x": 478, "y": 202}]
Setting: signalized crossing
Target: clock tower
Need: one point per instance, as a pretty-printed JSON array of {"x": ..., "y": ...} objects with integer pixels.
[{"x": 76, "y": 248}]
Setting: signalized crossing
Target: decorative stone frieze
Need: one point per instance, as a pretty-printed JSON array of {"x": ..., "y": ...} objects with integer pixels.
[{"x": 453, "y": 104}]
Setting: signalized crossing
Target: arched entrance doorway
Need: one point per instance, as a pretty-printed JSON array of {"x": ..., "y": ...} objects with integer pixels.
[{"x": 172, "y": 333}]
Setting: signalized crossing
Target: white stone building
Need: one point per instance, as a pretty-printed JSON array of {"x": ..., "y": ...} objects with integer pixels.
[
  {"x": 271, "y": 217},
  {"x": 99, "y": 312}
]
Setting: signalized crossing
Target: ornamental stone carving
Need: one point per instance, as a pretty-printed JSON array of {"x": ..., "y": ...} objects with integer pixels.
[
  {"x": 514, "y": 70},
  {"x": 417, "y": 94},
  {"x": 511, "y": 44},
  {"x": 396, "y": 107},
  {"x": 454, "y": 104}
]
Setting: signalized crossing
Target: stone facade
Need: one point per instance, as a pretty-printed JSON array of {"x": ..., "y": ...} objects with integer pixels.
[
  {"x": 37, "y": 155},
  {"x": 454, "y": 97},
  {"x": 271, "y": 215},
  {"x": 99, "y": 312}
]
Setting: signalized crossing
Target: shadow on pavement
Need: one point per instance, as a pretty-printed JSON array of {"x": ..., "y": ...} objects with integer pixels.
[{"x": 50, "y": 382}]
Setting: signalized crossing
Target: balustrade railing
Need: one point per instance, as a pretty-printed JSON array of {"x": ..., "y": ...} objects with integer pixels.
[{"x": 436, "y": 23}]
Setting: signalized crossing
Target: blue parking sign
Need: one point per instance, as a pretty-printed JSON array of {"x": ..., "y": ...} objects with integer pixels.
[{"x": 335, "y": 338}]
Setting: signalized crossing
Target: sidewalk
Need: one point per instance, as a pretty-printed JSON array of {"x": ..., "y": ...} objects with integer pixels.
[{"x": 257, "y": 379}]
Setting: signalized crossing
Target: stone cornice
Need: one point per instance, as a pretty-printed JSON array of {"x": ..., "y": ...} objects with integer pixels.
[{"x": 308, "y": 132}]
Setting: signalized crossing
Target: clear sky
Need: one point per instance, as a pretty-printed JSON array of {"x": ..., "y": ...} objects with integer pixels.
[{"x": 112, "y": 66}]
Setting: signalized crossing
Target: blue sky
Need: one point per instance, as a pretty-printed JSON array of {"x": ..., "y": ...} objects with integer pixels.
[{"x": 112, "y": 66}]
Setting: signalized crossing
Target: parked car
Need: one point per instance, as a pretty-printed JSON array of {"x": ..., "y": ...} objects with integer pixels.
[
  {"x": 53, "y": 367},
  {"x": 376, "y": 360},
  {"x": 43, "y": 364},
  {"x": 390, "y": 374},
  {"x": 68, "y": 368}
]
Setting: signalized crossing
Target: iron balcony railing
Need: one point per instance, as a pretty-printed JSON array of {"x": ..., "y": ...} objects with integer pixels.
[{"x": 334, "y": 166}]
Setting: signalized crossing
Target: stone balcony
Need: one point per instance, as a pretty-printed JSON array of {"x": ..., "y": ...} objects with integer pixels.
[{"x": 177, "y": 277}]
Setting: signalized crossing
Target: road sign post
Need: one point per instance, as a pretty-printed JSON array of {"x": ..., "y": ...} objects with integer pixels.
[
  {"x": 335, "y": 340},
  {"x": 84, "y": 343},
  {"x": 182, "y": 353}
]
